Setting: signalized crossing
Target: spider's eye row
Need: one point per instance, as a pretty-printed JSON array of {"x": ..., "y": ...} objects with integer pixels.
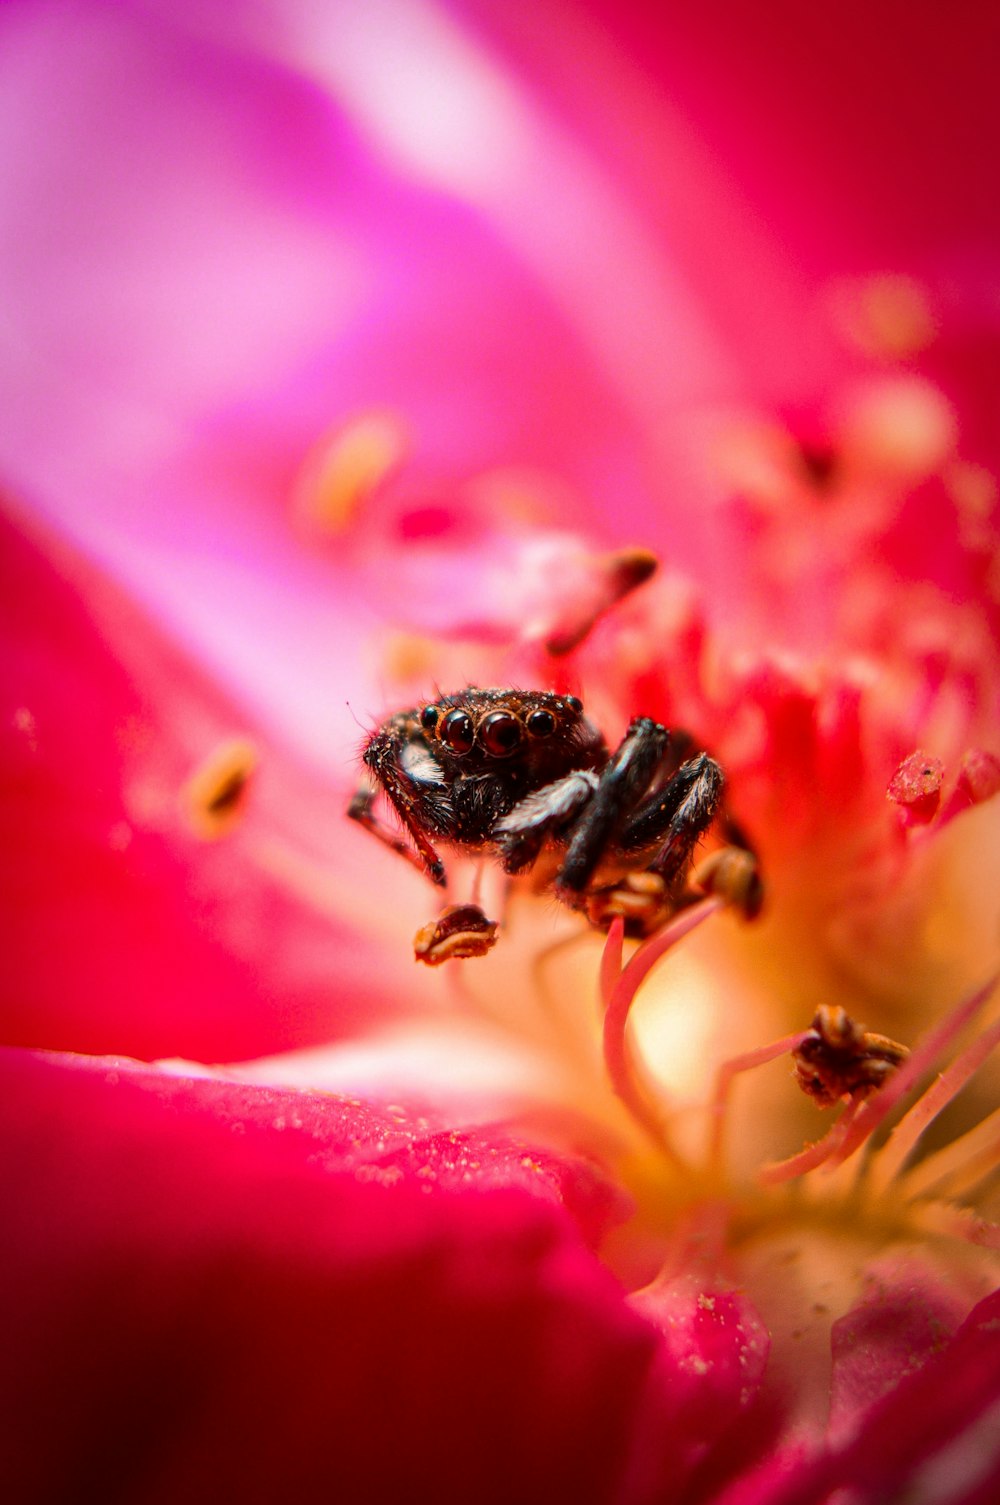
[
  {"x": 575, "y": 704},
  {"x": 541, "y": 723},
  {"x": 428, "y": 717},
  {"x": 457, "y": 732},
  {"x": 500, "y": 734}
]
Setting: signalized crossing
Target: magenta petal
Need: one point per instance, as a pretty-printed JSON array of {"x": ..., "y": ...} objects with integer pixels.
[
  {"x": 934, "y": 1435},
  {"x": 713, "y": 1361},
  {"x": 200, "y": 1307},
  {"x": 907, "y": 1313},
  {"x": 125, "y": 931}
]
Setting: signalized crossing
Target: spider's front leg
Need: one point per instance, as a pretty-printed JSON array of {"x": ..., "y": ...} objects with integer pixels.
[
  {"x": 676, "y": 817},
  {"x": 523, "y": 831},
  {"x": 624, "y": 780},
  {"x": 362, "y": 809}
]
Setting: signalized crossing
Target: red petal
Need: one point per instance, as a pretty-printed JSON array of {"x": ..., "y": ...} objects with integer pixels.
[{"x": 206, "y": 1301}]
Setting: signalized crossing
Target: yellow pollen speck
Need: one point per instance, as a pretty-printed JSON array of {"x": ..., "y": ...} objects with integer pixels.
[
  {"x": 213, "y": 797},
  {"x": 406, "y": 656},
  {"x": 346, "y": 466},
  {"x": 887, "y": 315}
]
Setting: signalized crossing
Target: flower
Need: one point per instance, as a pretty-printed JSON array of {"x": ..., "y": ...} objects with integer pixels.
[{"x": 325, "y": 321}]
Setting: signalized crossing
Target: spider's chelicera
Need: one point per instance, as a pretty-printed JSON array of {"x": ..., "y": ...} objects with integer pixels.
[{"x": 524, "y": 776}]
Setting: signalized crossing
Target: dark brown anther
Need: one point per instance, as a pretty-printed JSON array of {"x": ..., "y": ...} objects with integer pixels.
[
  {"x": 461, "y": 930},
  {"x": 642, "y": 900},
  {"x": 840, "y": 1058}
]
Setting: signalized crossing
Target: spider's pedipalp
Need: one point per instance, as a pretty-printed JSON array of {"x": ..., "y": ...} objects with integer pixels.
[{"x": 522, "y": 833}]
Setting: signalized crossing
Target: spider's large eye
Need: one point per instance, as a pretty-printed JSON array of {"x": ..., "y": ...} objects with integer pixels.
[
  {"x": 500, "y": 734},
  {"x": 429, "y": 717},
  {"x": 541, "y": 723},
  {"x": 457, "y": 732}
]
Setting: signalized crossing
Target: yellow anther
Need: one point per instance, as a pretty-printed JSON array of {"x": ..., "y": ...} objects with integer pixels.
[
  {"x": 213, "y": 797},
  {"x": 346, "y": 467}
]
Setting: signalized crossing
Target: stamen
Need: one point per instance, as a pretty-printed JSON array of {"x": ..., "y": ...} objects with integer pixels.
[
  {"x": 915, "y": 788},
  {"x": 733, "y": 873},
  {"x": 903, "y": 1139},
  {"x": 840, "y": 1058},
  {"x": 614, "y": 576},
  {"x": 815, "y": 1154},
  {"x": 725, "y": 1077},
  {"x": 611, "y": 961},
  {"x": 213, "y": 797},
  {"x": 978, "y": 780},
  {"x": 956, "y": 1169},
  {"x": 461, "y": 930},
  {"x": 617, "y": 1059},
  {"x": 959, "y": 1223},
  {"x": 920, "y": 1060}
]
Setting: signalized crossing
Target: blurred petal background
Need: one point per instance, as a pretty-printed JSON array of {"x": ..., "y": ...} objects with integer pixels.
[
  {"x": 324, "y": 320},
  {"x": 561, "y": 244},
  {"x": 341, "y": 349}
]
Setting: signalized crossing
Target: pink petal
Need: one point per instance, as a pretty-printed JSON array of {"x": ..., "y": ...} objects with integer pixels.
[
  {"x": 933, "y": 1434},
  {"x": 126, "y": 931},
  {"x": 908, "y": 1312},
  {"x": 714, "y": 1359}
]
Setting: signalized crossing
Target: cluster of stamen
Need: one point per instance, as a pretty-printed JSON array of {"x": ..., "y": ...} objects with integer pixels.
[{"x": 837, "y": 1062}]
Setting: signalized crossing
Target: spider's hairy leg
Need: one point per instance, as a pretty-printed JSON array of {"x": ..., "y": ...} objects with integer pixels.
[
  {"x": 523, "y": 831},
  {"x": 676, "y": 816},
  {"x": 361, "y": 809},
  {"x": 623, "y": 781}
]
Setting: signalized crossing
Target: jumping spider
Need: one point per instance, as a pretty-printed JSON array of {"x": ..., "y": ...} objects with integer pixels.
[{"x": 522, "y": 775}]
